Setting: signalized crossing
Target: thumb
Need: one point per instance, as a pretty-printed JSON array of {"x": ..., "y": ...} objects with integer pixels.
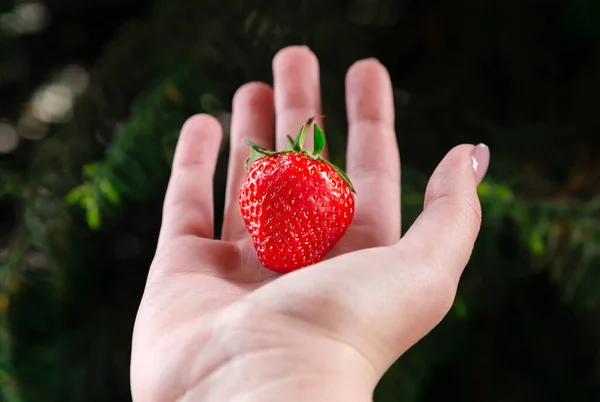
[{"x": 446, "y": 230}]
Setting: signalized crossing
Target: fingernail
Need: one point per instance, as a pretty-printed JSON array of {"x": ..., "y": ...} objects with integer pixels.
[
  {"x": 375, "y": 59},
  {"x": 481, "y": 161}
]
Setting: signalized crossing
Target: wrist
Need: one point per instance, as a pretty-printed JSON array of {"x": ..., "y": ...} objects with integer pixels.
[
  {"x": 281, "y": 375},
  {"x": 264, "y": 360},
  {"x": 292, "y": 388}
]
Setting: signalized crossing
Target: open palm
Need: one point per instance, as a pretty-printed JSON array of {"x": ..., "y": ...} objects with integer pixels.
[{"x": 214, "y": 325}]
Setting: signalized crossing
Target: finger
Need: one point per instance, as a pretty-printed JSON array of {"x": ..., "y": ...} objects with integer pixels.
[
  {"x": 252, "y": 119},
  {"x": 297, "y": 93},
  {"x": 447, "y": 228},
  {"x": 404, "y": 290},
  {"x": 373, "y": 162},
  {"x": 188, "y": 206}
]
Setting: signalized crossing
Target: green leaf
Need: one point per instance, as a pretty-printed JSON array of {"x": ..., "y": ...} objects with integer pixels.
[
  {"x": 247, "y": 162},
  {"x": 484, "y": 189},
  {"x": 109, "y": 191},
  {"x": 536, "y": 244},
  {"x": 254, "y": 155},
  {"x": 118, "y": 185},
  {"x": 260, "y": 150},
  {"x": 90, "y": 170},
  {"x": 92, "y": 213},
  {"x": 504, "y": 193},
  {"x": 256, "y": 152},
  {"x": 299, "y": 144},
  {"x": 319, "y": 140},
  {"x": 74, "y": 196},
  {"x": 290, "y": 143},
  {"x": 301, "y": 137}
]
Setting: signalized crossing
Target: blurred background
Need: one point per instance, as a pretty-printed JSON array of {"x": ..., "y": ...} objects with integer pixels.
[{"x": 93, "y": 94}]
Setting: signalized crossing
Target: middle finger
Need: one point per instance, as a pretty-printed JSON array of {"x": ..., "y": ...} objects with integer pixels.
[{"x": 297, "y": 89}]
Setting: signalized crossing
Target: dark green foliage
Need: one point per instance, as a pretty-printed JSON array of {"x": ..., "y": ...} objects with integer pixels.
[
  {"x": 140, "y": 154},
  {"x": 521, "y": 76}
]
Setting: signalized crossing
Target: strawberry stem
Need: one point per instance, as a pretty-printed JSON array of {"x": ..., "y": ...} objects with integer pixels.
[
  {"x": 258, "y": 152},
  {"x": 290, "y": 143},
  {"x": 298, "y": 145}
]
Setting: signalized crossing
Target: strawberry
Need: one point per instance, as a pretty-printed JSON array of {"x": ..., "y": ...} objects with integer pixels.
[{"x": 295, "y": 205}]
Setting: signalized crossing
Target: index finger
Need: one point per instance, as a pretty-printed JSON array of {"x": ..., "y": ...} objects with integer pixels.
[{"x": 188, "y": 208}]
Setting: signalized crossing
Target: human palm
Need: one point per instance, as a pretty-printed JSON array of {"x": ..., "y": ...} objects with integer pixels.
[{"x": 214, "y": 325}]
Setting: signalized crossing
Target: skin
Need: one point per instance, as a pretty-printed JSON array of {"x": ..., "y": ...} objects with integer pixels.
[{"x": 213, "y": 325}]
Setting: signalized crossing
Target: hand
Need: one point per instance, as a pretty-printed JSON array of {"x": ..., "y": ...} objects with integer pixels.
[{"x": 213, "y": 325}]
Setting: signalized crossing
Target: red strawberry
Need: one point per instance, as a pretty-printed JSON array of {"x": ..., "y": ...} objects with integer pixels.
[{"x": 295, "y": 205}]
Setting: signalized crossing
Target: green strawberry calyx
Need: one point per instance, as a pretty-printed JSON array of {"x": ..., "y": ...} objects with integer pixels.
[{"x": 297, "y": 146}]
